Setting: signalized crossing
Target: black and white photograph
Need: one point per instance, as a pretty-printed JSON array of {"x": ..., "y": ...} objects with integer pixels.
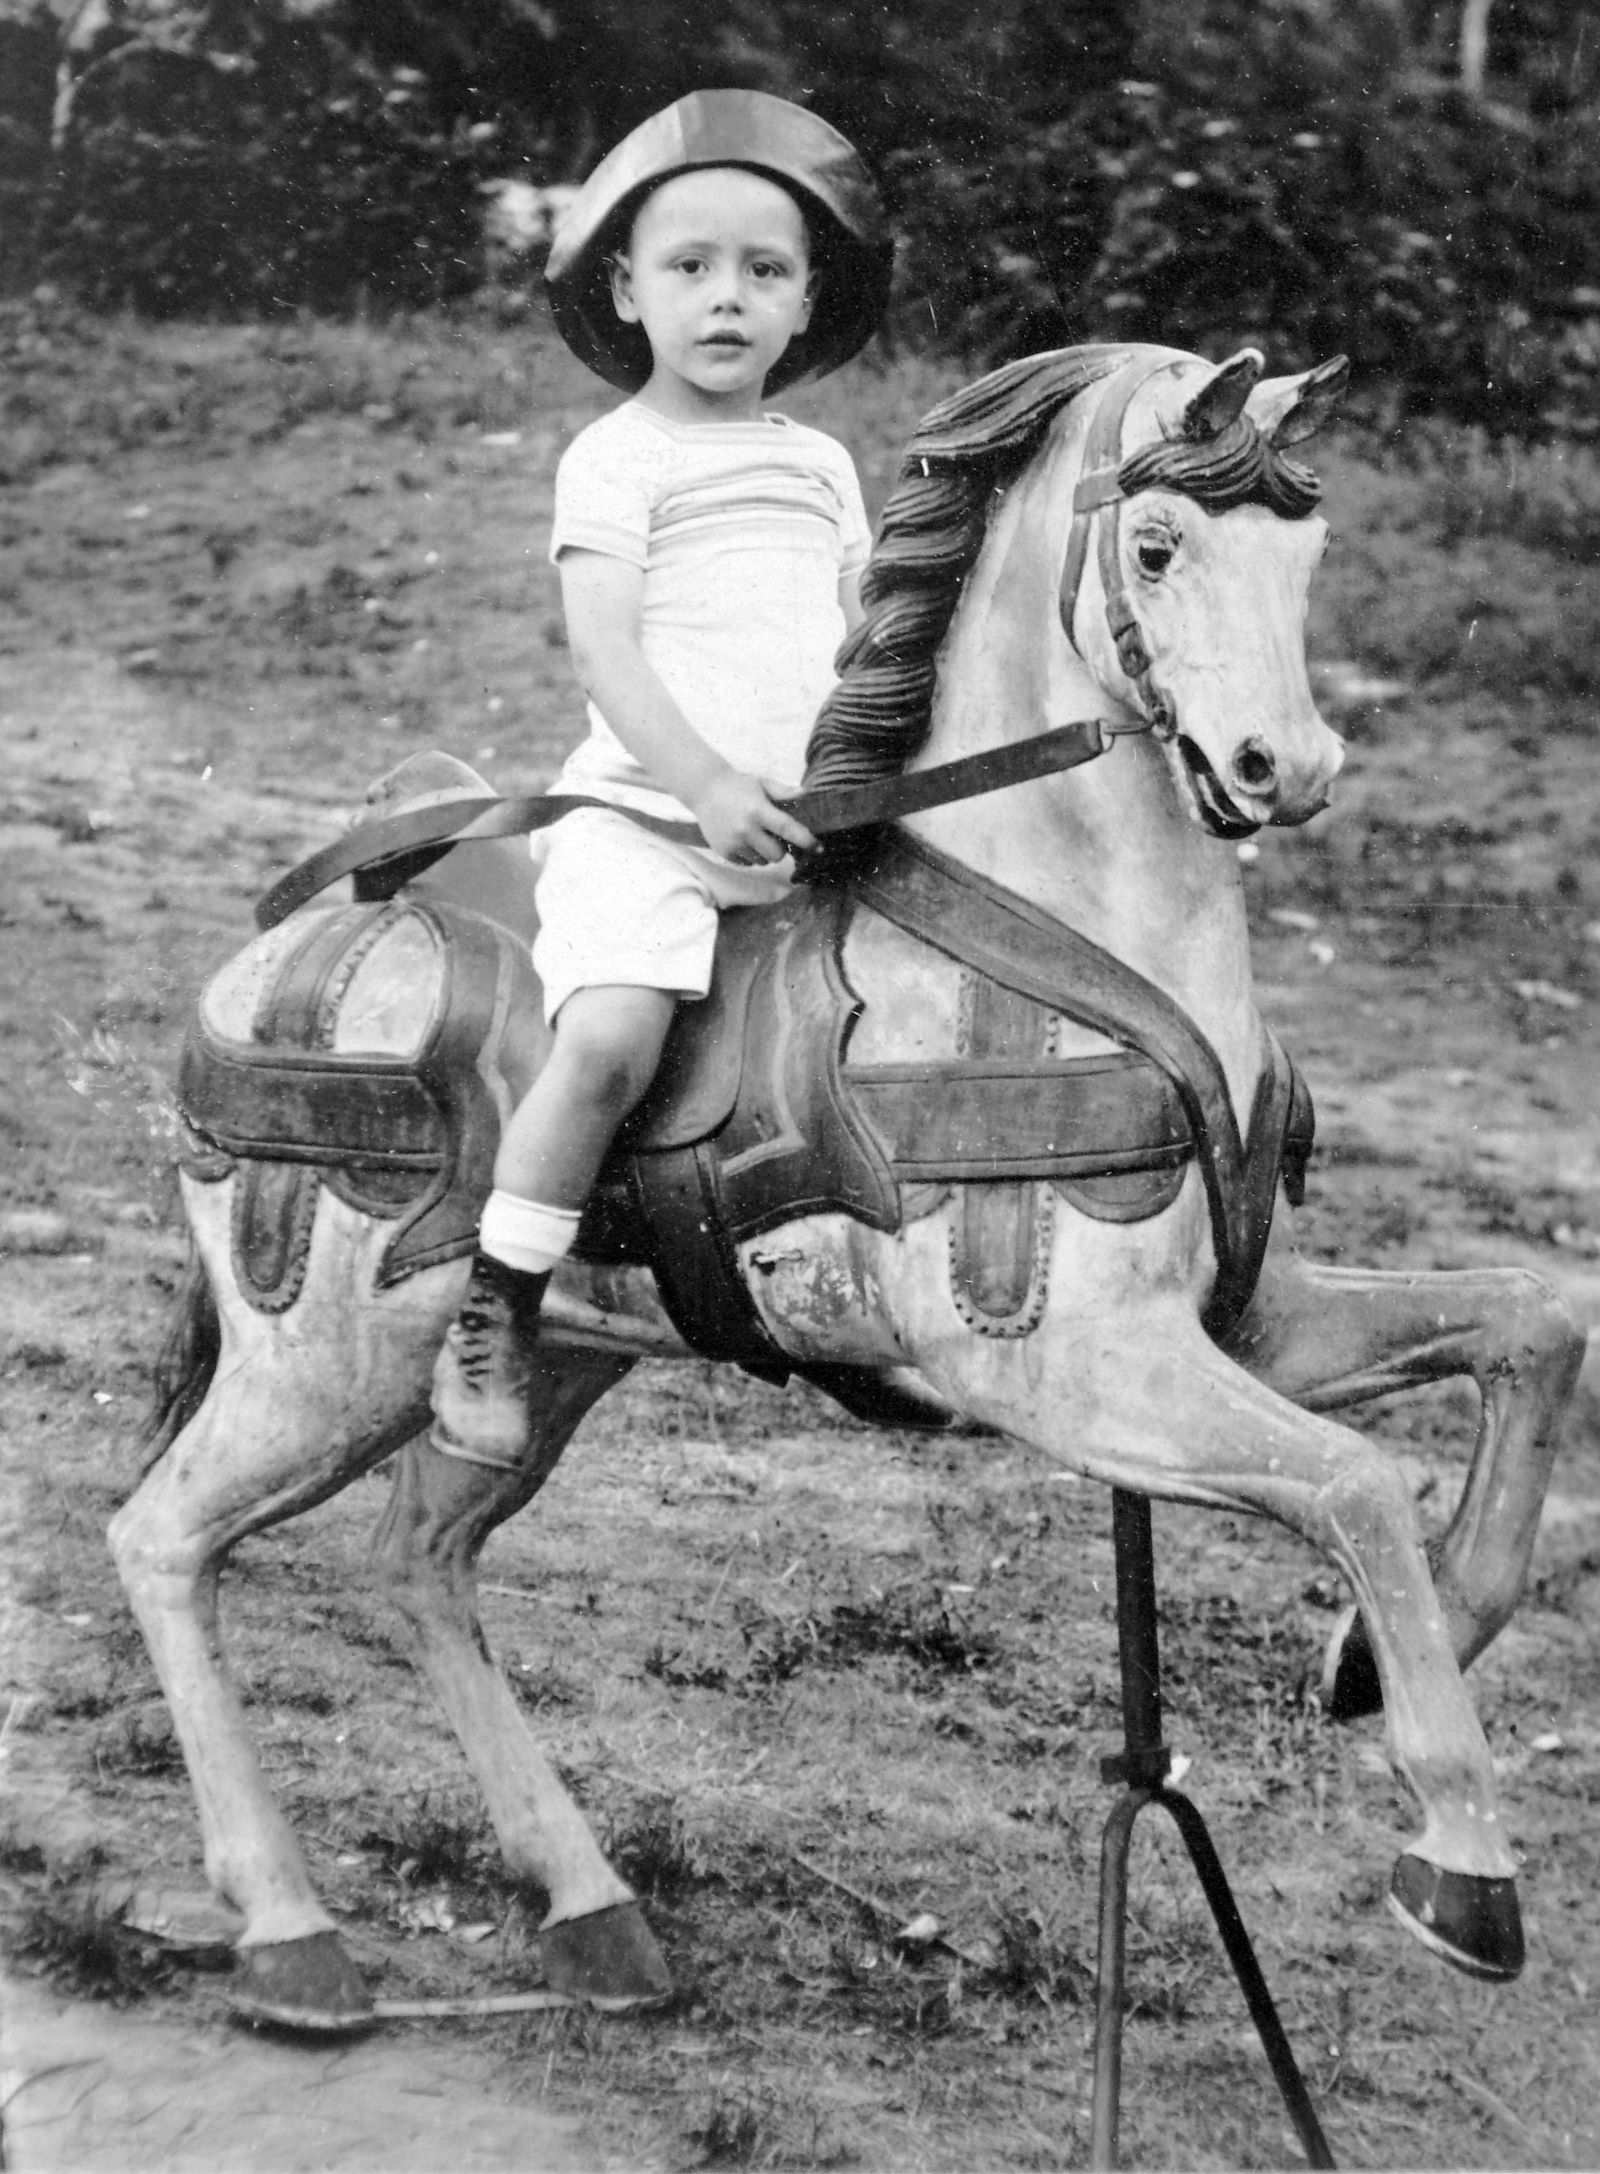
[{"x": 799, "y": 1085}]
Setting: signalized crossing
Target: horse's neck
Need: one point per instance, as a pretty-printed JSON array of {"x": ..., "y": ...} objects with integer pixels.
[{"x": 1108, "y": 847}]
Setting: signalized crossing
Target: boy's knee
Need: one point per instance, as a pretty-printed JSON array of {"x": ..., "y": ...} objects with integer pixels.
[{"x": 611, "y": 1053}]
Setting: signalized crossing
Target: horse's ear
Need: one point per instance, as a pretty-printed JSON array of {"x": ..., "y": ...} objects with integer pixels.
[
  {"x": 1287, "y": 409},
  {"x": 1220, "y": 400}
]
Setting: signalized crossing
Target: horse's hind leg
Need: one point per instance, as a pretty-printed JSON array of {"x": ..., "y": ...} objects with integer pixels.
[
  {"x": 297, "y": 1406},
  {"x": 1334, "y": 1338},
  {"x": 595, "y": 1942}
]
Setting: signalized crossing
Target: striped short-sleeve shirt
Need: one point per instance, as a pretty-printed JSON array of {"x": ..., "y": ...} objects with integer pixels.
[{"x": 742, "y": 532}]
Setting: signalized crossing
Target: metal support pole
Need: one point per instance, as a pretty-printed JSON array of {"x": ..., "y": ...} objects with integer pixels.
[{"x": 1143, "y": 1766}]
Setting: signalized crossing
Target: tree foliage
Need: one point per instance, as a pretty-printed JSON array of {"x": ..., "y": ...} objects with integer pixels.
[{"x": 1308, "y": 175}]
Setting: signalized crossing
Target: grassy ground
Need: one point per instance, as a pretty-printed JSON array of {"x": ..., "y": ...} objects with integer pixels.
[{"x": 244, "y": 571}]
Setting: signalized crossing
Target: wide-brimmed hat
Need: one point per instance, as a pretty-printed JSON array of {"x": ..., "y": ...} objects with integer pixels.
[{"x": 852, "y": 247}]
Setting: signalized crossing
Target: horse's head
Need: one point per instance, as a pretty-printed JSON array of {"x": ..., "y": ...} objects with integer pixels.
[{"x": 1187, "y": 569}]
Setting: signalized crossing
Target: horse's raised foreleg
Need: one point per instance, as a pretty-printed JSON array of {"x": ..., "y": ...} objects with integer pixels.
[
  {"x": 1147, "y": 1402},
  {"x": 594, "y": 1941},
  {"x": 1335, "y": 1338}
]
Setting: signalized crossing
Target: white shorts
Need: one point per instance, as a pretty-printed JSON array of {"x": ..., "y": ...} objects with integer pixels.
[{"x": 620, "y": 905}]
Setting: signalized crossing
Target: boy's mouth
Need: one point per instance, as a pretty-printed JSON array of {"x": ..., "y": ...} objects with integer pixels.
[{"x": 734, "y": 340}]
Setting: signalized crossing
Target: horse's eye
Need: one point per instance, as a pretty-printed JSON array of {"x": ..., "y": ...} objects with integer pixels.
[{"x": 1155, "y": 554}]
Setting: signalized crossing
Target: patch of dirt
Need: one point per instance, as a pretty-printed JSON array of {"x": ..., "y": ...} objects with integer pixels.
[{"x": 90, "y": 2090}]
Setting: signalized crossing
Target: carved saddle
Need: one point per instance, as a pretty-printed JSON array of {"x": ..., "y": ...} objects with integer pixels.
[{"x": 374, "y": 1049}]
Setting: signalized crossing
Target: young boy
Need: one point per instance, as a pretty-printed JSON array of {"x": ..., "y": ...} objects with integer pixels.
[{"x": 709, "y": 554}]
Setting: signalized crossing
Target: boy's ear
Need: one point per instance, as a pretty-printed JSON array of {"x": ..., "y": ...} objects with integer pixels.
[
  {"x": 622, "y": 289},
  {"x": 813, "y": 289}
]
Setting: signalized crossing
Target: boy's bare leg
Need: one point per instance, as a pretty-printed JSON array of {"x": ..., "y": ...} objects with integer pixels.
[
  {"x": 608, "y": 1044},
  {"x": 607, "y": 1047}
]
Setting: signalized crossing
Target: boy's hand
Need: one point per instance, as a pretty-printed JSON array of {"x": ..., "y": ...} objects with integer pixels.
[{"x": 744, "y": 823}]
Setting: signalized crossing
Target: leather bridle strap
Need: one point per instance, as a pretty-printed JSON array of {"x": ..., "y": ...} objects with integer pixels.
[
  {"x": 1096, "y": 505},
  {"x": 394, "y": 849}
]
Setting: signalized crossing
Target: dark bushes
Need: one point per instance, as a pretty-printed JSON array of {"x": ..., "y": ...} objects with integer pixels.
[
  {"x": 307, "y": 179},
  {"x": 1292, "y": 177},
  {"x": 1309, "y": 177}
]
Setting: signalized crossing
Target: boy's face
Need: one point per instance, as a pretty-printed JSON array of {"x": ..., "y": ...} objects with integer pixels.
[{"x": 718, "y": 272}]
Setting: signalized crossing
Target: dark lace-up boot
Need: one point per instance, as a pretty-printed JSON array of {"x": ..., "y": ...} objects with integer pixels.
[{"x": 483, "y": 1376}]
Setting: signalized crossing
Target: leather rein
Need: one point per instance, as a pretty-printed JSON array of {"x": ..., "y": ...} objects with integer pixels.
[{"x": 394, "y": 849}]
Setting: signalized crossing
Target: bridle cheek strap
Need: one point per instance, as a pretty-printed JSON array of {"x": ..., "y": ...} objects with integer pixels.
[{"x": 1096, "y": 507}]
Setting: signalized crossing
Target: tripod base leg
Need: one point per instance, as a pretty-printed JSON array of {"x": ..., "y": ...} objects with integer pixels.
[
  {"x": 1241, "y": 1954},
  {"x": 1112, "y": 1971}
]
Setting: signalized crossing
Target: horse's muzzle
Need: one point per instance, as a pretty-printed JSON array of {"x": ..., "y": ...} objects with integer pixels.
[{"x": 1266, "y": 785}]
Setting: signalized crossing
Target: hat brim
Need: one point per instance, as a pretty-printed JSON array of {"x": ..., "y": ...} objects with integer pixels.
[{"x": 852, "y": 248}]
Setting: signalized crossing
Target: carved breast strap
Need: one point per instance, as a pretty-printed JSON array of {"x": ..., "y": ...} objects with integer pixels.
[{"x": 1006, "y": 939}]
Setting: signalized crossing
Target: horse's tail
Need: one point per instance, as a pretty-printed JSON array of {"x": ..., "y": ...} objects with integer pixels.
[{"x": 184, "y": 1366}]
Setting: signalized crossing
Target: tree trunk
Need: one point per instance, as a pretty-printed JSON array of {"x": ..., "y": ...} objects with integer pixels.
[{"x": 1474, "y": 50}]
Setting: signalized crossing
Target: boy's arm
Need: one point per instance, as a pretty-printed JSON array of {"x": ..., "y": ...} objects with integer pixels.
[
  {"x": 850, "y": 601},
  {"x": 603, "y": 600}
]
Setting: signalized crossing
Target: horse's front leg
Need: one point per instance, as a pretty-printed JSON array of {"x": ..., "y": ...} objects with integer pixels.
[
  {"x": 594, "y": 1942},
  {"x": 1142, "y": 1399},
  {"x": 1334, "y": 1338}
]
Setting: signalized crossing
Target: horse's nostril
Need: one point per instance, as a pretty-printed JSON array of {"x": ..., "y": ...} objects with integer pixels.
[{"x": 1255, "y": 767}]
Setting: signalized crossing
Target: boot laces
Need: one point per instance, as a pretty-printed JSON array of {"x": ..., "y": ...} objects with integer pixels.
[{"x": 482, "y": 1325}]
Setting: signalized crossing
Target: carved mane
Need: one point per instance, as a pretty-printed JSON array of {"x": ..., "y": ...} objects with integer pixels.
[{"x": 962, "y": 452}]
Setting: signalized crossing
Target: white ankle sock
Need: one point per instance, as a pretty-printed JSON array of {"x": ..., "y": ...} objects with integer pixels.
[{"x": 526, "y": 1234}]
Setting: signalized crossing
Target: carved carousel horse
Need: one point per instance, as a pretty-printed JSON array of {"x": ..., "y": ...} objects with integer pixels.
[{"x": 984, "y": 1123}]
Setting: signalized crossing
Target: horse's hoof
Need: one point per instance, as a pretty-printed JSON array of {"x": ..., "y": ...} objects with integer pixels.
[
  {"x": 1471, "y": 1921},
  {"x": 1350, "y": 1687},
  {"x": 301, "y": 1985},
  {"x": 608, "y": 1960}
]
